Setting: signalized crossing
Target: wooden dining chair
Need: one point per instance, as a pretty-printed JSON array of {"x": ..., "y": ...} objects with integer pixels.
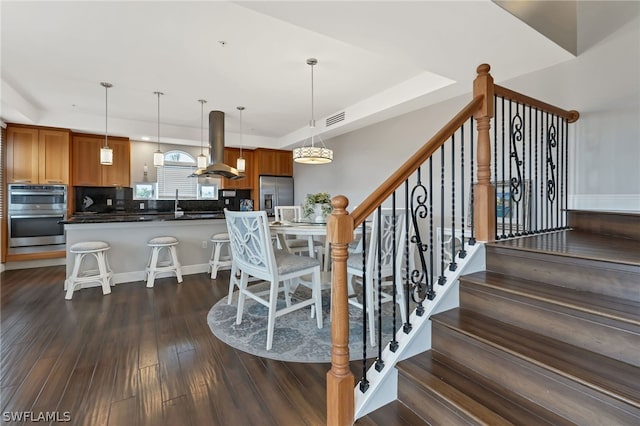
[
  {"x": 385, "y": 230},
  {"x": 255, "y": 256}
]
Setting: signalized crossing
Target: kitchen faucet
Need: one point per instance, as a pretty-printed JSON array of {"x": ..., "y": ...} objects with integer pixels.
[{"x": 176, "y": 210}]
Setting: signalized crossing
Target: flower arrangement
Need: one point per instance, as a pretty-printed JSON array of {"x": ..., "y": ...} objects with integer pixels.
[{"x": 322, "y": 199}]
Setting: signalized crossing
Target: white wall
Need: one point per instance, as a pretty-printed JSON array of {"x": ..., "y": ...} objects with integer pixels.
[{"x": 602, "y": 83}]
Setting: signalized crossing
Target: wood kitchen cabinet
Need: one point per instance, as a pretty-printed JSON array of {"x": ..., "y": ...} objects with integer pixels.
[
  {"x": 86, "y": 167},
  {"x": 37, "y": 155},
  {"x": 274, "y": 162},
  {"x": 231, "y": 155}
]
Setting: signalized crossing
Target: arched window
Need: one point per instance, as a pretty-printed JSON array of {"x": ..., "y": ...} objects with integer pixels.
[{"x": 178, "y": 165}]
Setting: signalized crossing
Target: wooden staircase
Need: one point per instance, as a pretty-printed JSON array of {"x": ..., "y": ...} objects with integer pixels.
[{"x": 548, "y": 334}]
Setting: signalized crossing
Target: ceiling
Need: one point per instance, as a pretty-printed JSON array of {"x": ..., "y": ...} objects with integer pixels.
[{"x": 376, "y": 59}]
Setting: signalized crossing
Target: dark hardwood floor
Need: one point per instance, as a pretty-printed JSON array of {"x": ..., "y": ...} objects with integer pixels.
[{"x": 139, "y": 357}]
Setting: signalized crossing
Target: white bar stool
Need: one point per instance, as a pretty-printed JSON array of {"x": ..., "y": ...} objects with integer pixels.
[
  {"x": 218, "y": 261},
  {"x": 102, "y": 275},
  {"x": 157, "y": 266}
]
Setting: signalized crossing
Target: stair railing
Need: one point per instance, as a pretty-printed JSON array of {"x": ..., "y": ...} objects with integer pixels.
[{"x": 450, "y": 200}]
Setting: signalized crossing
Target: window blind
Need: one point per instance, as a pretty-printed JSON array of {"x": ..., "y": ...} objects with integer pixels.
[{"x": 172, "y": 177}]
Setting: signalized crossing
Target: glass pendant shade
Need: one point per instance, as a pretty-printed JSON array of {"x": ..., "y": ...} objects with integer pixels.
[
  {"x": 158, "y": 159},
  {"x": 106, "y": 156},
  {"x": 201, "y": 161},
  {"x": 240, "y": 164},
  {"x": 106, "y": 153}
]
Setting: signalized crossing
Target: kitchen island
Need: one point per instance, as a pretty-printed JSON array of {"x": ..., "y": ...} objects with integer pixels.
[{"x": 128, "y": 235}]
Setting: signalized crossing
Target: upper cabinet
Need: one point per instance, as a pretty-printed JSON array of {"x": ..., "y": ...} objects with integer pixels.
[
  {"x": 274, "y": 162},
  {"x": 37, "y": 155},
  {"x": 87, "y": 170},
  {"x": 231, "y": 156}
]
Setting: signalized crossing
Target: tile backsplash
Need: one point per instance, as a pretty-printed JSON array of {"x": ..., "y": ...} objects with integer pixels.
[{"x": 120, "y": 200}]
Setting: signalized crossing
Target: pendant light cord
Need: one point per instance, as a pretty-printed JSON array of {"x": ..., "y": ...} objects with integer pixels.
[
  {"x": 106, "y": 114},
  {"x": 241, "y": 108},
  {"x": 202, "y": 101},
  {"x": 158, "y": 94},
  {"x": 312, "y": 124}
]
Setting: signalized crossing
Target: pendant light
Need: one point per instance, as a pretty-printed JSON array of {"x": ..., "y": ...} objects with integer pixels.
[
  {"x": 158, "y": 156},
  {"x": 106, "y": 153},
  {"x": 313, "y": 154},
  {"x": 240, "y": 163},
  {"x": 202, "y": 159}
]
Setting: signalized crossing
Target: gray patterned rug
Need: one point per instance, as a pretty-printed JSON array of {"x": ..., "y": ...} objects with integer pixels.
[{"x": 296, "y": 337}]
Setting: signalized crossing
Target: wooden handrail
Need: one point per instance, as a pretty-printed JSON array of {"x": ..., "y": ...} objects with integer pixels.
[
  {"x": 367, "y": 207},
  {"x": 570, "y": 116}
]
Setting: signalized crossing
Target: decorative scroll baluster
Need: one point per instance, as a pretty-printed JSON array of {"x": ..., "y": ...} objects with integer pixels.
[
  {"x": 551, "y": 169},
  {"x": 515, "y": 182},
  {"x": 422, "y": 288}
]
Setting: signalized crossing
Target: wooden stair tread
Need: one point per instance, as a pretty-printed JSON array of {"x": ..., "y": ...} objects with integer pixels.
[
  {"x": 592, "y": 303},
  {"x": 474, "y": 399},
  {"x": 614, "y": 378},
  {"x": 394, "y": 413},
  {"x": 580, "y": 244}
]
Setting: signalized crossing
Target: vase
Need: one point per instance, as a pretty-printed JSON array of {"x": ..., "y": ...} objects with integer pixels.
[{"x": 318, "y": 215}]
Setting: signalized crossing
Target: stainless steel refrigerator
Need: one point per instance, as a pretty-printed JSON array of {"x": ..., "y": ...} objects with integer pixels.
[{"x": 275, "y": 191}]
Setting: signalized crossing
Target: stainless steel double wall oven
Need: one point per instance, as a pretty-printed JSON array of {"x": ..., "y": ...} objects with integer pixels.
[{"x": 34, "y": 213}]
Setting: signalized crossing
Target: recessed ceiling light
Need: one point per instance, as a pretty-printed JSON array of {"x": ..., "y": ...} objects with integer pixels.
[
  {"x": 145, "y": 138},
  {"x": 222, "y": 43}
]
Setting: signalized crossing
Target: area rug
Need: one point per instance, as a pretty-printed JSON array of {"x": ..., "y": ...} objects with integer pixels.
[{"x": 296, "y": 337}]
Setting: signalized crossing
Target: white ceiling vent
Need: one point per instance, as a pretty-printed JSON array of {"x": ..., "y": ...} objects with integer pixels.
[{"x": 335, "y": 119}]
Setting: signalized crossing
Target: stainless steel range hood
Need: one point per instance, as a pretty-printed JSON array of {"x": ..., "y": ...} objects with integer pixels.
[{"x": 216, "y": 165}]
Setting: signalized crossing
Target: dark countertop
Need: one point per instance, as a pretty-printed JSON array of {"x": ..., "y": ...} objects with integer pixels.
[{"x": 140, "y": 217}]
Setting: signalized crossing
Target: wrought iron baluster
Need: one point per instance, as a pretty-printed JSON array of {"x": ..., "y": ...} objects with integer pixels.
[
  {"x": 551, "y": 168},
  {"x": 453, "y": 265},
  {"x": 495, "y": 155},
  {"x": 364, "y": 383},
  {"x": 421, "y": 285},
  {"x": 379, "y": 365},
  {"x": 407, "y": 325},
  {"x": 472, "y": 239},
  {"x": 393, "y": 345},
  {"x": 502, "y": 139},
  {"x": 462, "y": 252},
  {"x": 441, "y": 279},
  {"x": 515, "y": 182}
]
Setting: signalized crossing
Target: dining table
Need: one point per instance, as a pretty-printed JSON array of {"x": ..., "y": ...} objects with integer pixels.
[
  {"x": 308, "y": 230},
  {"x": 304, "y": 229}
]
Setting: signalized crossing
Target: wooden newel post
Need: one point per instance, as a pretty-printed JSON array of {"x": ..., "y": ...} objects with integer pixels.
[
  {"x": 484, "y": 208},
  {"x": 340, "y": 381}
]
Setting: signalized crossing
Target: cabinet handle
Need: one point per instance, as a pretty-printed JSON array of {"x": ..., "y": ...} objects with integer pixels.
[
  {"x": 22, "y": 180},
  {"x": 54, "y": 181}
]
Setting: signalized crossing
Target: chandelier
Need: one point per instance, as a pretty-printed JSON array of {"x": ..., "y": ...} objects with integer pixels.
[{"x": 312, "y": 154}]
